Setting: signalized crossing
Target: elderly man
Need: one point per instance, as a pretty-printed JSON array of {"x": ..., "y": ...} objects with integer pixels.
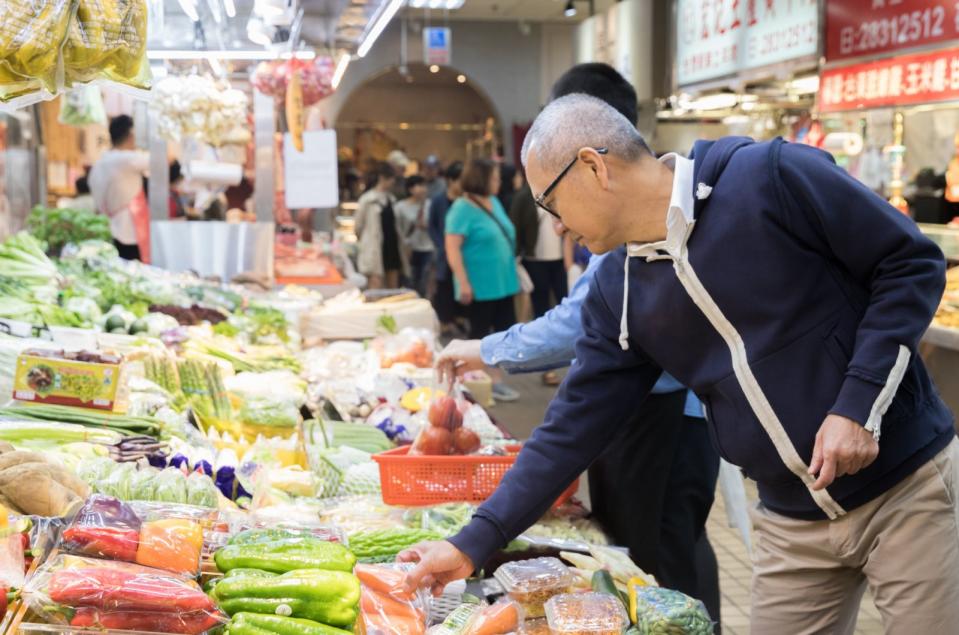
[{"x": 791, "y": 299}]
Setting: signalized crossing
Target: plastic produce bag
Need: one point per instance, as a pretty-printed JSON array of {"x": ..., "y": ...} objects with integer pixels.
[
  {"x": 445, "y": 433},
  {"x": 32, "y": 33},
  {"x": 659, "y": 610},
  {"x": 385, "y": 607},
  {"x": 82, "y": 106},
  {"x": 165, "y": 537},
  {"x": 84, "y": 592},
  {"x": 107, "y": 40}
]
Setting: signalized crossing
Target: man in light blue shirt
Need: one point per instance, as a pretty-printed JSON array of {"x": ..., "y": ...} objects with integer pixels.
[{"x": 653, "y": 489}]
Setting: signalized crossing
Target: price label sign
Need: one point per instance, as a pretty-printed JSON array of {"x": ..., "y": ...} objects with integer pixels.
[{"x": 856, "y": 28}]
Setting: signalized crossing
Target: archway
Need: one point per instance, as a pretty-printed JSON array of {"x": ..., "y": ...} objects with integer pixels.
[{"x": 420, "y": 112}]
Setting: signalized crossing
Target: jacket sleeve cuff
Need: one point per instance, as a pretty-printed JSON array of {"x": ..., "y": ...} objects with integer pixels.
[
  {"x": 856, "y": 399},
  {"x": 478, "y": 540}
]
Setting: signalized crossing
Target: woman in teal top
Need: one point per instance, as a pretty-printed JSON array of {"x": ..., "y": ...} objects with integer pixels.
[{"x": 480, "y": 247}]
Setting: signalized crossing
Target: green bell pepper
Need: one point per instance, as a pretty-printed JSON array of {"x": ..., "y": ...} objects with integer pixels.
[
  {"x": 247, "y": 629},
  {"x": 252, "y": 573},
  {"x": 329, "y": 597},
  {"x": 286, "y": 625},
  {"x": 290, "y": 554}
]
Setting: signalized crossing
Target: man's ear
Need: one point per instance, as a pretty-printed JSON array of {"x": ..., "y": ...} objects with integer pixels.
[{"x": 594, "y": 161}]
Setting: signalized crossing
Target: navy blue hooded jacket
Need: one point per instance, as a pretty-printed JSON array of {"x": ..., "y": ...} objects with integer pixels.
[{"x": 795, "y": 293}]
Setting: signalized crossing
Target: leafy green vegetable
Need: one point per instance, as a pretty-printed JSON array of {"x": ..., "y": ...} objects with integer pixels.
[{"x": 57, "y": 227}]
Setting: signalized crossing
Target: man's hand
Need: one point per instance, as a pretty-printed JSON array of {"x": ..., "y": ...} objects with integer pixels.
[
  {"x": 437, "y": 564},
  {"x": 459, "y": 357},
  {"x": 842, "y": 447}
]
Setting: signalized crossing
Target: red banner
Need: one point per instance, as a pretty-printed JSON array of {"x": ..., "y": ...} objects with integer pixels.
[
  {"x": 856, "y": 28},
  {"x": 896, "y": 81}
]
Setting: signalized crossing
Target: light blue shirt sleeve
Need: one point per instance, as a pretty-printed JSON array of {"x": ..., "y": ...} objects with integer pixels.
[{"x": 547, "y": 342}]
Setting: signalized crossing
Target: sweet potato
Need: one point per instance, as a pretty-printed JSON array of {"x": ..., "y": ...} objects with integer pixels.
[{"x": 31, "y": 488}]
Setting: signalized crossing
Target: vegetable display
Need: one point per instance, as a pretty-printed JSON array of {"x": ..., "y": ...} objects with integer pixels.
[
  {"x": 282, "y": 554},
  {"x": 385, "y": 544},
  {"x": 57, "y": 226},
  {"x": 32, "y": 484}
]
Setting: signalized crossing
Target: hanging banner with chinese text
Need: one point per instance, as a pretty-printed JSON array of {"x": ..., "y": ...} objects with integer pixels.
[
  {"x": 869, "y": 27},
  {"x": 722, "y": 37},
  {"x": 896, "y": 81}
]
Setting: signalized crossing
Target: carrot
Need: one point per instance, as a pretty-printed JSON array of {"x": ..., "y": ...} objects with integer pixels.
[
  {"x": 385, "y": 580},
  {"x": 373, "y": 603},
  {"x": 383, "y": 625},
  {"x": 497, "y": 619}
]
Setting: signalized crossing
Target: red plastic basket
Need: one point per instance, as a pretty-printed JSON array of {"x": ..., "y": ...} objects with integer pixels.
[{"x": 430, "y": 480}]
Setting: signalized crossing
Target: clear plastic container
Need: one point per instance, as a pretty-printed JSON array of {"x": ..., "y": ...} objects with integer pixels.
[
  {"x": 585, "y": 614},
  {"x": 531, "y": 583}
]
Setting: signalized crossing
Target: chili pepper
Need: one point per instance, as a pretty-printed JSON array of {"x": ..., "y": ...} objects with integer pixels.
[
  {"x": 114, "y": 543},
  {"x": 286, "y": 555},
  {"x": 115, "y": 589},
  {"x": 172, "y": 544},
  {"x": 286, "y": 625},
  {"x": 153, "y": 621},
  {"x": 253, "y": 573},
  {"x": 388, "y": 542},
  {"x": 330, "y": 597},
  {"x": 247, "y": 629}
]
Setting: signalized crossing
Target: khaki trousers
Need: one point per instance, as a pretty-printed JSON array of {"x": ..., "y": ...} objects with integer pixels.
[{"x": 809, "y": 576}]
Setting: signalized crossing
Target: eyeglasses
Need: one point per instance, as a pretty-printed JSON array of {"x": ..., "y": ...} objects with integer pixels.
[{"x": 541, "y": 199}]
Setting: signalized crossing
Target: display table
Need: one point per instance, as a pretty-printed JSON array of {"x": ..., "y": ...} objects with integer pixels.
[{"x": 213, "y": 248}]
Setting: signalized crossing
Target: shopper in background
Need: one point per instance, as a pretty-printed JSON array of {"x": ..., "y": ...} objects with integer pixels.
[
  {"x": 115, "y": 180},
  {"x": 379, "y": 256},
  {"x": 433, "y": 173},
  {"x": 176, "y": 207},
  {"x": 444, "y": 301},
  {"x": 480, "y": 243},
  {"x": 653, "y": 487},
  {"x": 82, "y": 201},
  {"x": 399, "y": 162},
  {"x": 413, "y": 214},
  {"x": 507, "y": 188}
]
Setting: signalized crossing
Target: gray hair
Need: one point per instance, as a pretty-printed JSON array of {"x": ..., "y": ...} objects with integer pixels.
[{"x": 577, "y": 121}]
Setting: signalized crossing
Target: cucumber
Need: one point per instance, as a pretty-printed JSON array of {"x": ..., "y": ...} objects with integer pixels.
[{"x": 602, "y": 582}]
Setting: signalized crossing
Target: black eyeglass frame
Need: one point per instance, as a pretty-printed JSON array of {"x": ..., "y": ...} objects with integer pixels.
[{"x": 541, "y": 199}]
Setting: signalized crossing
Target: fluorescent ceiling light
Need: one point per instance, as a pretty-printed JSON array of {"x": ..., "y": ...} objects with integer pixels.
[
  {"x": 718, "y": 101},
  {"x": 230, "y": 8},
  {"x": 805, "y": 85},
  {"x": 226, "y": 55},
  {"x": 189, "y": 8},
  {"x": 379, "y": 23},
  {"x": 449, "y": 5},
  {"x": 340, "y": 69}
]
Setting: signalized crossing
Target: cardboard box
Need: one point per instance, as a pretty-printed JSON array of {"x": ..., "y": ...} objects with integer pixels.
[{"x": 45, "y": 377}]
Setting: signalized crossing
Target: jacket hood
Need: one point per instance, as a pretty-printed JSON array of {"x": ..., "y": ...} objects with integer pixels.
[{"x": 709, "y": 160}]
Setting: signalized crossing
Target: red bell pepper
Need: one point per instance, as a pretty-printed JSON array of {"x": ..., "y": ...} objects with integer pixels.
[
  {"x": 114, "y": 589},
  {"x": 103, "y": 542},
  {"x": 153, "y": 621}
]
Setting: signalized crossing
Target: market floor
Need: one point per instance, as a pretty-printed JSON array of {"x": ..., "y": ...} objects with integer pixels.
[{"x": 735, "y": 570}]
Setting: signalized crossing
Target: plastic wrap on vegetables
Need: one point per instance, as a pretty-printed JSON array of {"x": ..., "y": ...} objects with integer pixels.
[
  {"x": 107, "y": 39},
  {"x": 32, "y": 33},
  {"x": 386, "y": 608},
  {"x": 659, "y": 610},
  {"x": 84, "y": 592},
  {"x": 166, "y": 538}
]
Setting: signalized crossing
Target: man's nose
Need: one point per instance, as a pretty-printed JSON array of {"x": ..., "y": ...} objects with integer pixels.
[{"x": 559, "y": 227}]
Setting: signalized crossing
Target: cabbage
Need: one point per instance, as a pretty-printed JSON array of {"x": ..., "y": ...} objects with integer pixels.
[
  {"x": 201, "y": 490},
  {"x": 170, "y": 487},
  {"x": 85, "y": 307},
  {"x": 270, "y": 412},
  {"x": 143, "y": 483}
]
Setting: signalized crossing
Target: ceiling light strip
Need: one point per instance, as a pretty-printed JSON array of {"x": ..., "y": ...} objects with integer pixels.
[{"x": 378, "y": 25}]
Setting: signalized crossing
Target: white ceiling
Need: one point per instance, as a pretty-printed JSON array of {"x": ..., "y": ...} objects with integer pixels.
[{"x": 527, "y": 10}]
